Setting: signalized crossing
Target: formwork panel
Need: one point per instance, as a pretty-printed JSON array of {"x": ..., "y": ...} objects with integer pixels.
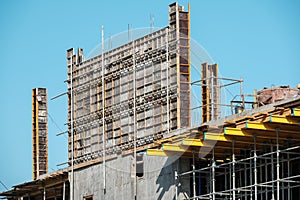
[{"x": 132, "y": 94}]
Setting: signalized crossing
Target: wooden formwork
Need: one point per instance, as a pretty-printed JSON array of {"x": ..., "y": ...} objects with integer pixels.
[
  {"x": 39, "y": 132},
  {"x": 146, "y": 91}
]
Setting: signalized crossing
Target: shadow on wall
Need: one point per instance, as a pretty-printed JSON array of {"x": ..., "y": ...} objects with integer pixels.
[{"x": 166, "y": 180}]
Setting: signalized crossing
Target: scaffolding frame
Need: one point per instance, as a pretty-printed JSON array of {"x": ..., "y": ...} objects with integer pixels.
[
  {"x": 247, "y": 157},
  {"x": 255, "y": 187}
]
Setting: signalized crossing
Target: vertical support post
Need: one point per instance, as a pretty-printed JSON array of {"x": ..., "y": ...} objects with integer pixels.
[
  {"x": 176, "y": 184},
  {"x": 134, "y": 120},
  {"x": 194, "y": 177},
  {"x": 266, "y": 177},
  {"x": 272, "y": 172},
  {"x": 255, "y": 169},
  {"x": 230, "y": 180},
  {"x": 64, "y": 191},
  {"x": 103, "y": 118},
  {"x": 72, "y": 133},
  {"x": 55, "y": 197},
  {"x": 288, "y": 175},
  {"x": 245, "y": 178},
  {"x": 225, "y": 178},
  {"x": 233, "y": 170},
  {"x": 44, "y": 193},
  {"x": 251, "y": 179},
  {"x": 240, "y": 176},
  {"x": 212, "y": 97},
  {"x": 282, "y": 175},
  {"x": 277, "y": 164},
  {"x": 261, "y": 177},
  {"x": 167, "y": 61},
  {"x": 242, "y": 95},
  {"x": 213, "y": 175}
]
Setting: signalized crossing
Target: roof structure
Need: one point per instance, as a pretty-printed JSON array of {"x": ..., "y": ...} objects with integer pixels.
[
  {"x": 52, "y": 183},
  {"x": 280, "y": 119}
]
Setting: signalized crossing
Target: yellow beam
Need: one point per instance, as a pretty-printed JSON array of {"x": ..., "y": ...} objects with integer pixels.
[
  {"x": 268, "y": 126},
  {"x": 296, "y": 112},
  {"x": 156, "y": 152},
  {"x": 216, "y": 136},
  {"x": 284, "y": 120},
  {"x": 256, "y": 125},
  {"x": 236, "y": 132},
  {"x": 175, "y": 147},
  {"x": 192, "y": 142}
]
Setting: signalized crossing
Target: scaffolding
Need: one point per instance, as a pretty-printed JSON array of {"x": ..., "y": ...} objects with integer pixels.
[{"x": 254, "y": 155}]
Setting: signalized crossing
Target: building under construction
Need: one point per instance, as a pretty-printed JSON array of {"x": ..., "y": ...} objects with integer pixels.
[{"x": 131, "y": 136}]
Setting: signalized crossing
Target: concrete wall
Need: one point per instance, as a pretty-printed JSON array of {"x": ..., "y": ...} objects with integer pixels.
[{"x": 158, "y": 181}]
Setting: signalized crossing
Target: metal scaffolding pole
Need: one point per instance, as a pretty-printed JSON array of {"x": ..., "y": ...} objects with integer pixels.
[
  {"x": 251, "y": 181},
  {"x": 255, "y": 169},
  {"x": 261, "y": 177},
  {"x": 230, "y": 180},
  {"x": 245, "y": 179},
  {"x": 225, "y": 178},
  {"x": 282, "y": 172},
  {"x": 194, "y": 177},
  {"x": 168, "y": 99},
  {"x": 233, "y": 170},
  {"x": 213, "y": 175},
  {"x": 288, "y": 175},
  {"x": 72, "y": 133},
  {"x": 64, "y": 190},
  {"x": 176, "y": 185},
  {"x": 266, "y": 178},
  {"x": 103, "y": 120},
  {"x": 134, "y": 120},
  {"x": 44, "y": 193},
  {"x": 277, "y": 165},
  {"x": 272, "y": 172}
]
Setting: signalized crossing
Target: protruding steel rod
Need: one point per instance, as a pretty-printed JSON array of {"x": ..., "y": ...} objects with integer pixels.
[
  {"x": 103, "y": 118},
  {"x": 59, "y": 95},
  {"x": 134, "y": 120},
  {"x": 168, "y": 100},
  {"x": 72, "y": 133}
]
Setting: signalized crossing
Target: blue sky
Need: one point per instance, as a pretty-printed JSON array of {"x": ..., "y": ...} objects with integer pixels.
[{"x": 256, "y": 40}]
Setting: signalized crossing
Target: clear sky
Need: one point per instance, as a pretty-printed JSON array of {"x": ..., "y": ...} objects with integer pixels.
[{"x": 253, "y": 39}]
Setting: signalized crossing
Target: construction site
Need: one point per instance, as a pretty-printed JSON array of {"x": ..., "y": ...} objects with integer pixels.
[{"x": 132, "y": 132}]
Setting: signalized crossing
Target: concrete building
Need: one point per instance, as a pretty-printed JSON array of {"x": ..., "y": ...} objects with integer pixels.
[{"x": 131, "y": 136}]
